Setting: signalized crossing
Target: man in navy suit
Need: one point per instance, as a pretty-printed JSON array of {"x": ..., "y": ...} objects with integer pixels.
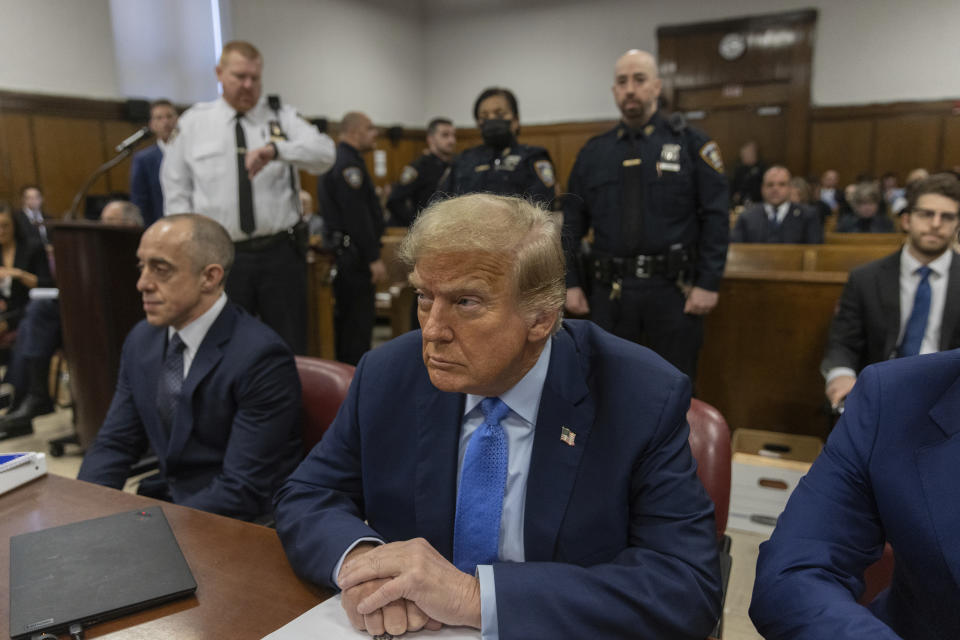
[
  {"x": 585, "y": 519},
  {"x": 213, "y": 391},
  {"x": 776, "y": 219},
  {"x": 145, "y": 191},
  {"x": 887, "y": 474}
]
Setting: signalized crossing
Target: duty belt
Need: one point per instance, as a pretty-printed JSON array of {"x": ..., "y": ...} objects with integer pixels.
[
  {"x": 612, "y": 270},
  {"x": 261, "y": 243}
]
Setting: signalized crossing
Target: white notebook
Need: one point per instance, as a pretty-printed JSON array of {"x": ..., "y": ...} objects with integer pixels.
[{"x": 328, "y": 621}]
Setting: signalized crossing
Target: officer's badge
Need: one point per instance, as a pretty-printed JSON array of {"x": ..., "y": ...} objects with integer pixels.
[
  {"x": 353, "y": 176},
  {"x": 544, "y": 171},
  {"x": 276, "y": 132},
  {"x": 670, "y": 153},
  {"x": 409, "y": 175},
  {"x": 510, "y": 162},
  {"x": 710, "y": 153}
]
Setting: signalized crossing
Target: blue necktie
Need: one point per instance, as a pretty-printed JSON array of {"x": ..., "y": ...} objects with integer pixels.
[
  {"x": 171, "y": 380},
  {"x": 476, "y": 533},
  {"x": 917, "y": 324}
]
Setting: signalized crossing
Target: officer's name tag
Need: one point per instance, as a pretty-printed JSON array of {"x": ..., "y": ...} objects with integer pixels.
[
  {"x": 668, "y": 166},
  {"x": 482, "y": 167},
  {"x": 632, "y": 162}
]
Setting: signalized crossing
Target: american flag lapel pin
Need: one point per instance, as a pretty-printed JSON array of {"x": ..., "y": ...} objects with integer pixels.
[{"x": 567, "y": 436}]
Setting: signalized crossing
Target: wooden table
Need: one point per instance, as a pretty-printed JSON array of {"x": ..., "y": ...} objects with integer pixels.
[{"x": 245, "y": 586}]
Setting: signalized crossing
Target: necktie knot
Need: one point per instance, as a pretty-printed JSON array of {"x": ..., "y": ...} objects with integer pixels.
[
  {"x": 494, "y": 410},
  {"x": 176, "y": 345},
  {"x": 924, "y": 272}
]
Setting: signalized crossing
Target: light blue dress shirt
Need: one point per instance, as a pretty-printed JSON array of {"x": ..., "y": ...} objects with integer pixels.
[{"x": 524, "y": 402}]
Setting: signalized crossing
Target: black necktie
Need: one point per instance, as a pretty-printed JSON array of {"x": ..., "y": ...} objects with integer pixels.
[
  {"x": 631, "y": 220},
  {"x": 171, "y": 381},
  {"x": 245, "y": 195}
]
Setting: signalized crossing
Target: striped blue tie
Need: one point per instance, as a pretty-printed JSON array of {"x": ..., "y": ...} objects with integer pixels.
[
  {"x": 170, "y": 382},
  {"x": 476, "y": 533},
  {"x": 917, "y": 324}
]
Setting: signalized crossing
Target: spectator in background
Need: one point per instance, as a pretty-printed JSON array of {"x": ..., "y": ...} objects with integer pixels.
[
  {"x": 746, "y": 187},
  {"x": 875, "y": 314},
  {"x": 913, "y": 178},
  {"x": 38, "y": 337},
  {"x": 24, "y": 266},
  {"x": 805, "y": 192},
  {"x": 145, "y": 190},
  {"x": 31, "y": 215},
  {"x": 421, "y": 178},
  {"x": 777, "y": 218},
  {"x": 868, "y": 212},
  {"x": 892, "y": 194},
  {"x": 829, "y": 194}
]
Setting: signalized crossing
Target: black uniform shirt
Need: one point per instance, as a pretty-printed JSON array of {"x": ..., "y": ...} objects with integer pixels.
[
  {"x": 684, "y": 196},
  {"x": 418, "y": 183},
  {"x": 519, "y": 170},
  {"x": 350, "y": 205}
]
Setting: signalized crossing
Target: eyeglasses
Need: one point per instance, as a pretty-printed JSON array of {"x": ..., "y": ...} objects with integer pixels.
[{"x": 946, "y": 217}]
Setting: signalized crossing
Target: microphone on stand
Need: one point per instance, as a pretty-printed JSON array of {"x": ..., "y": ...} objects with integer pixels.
[{"x": 133, "y": 139}]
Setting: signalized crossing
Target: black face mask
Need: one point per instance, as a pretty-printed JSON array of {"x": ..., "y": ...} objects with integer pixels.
[{"x": 496, "y": 133}]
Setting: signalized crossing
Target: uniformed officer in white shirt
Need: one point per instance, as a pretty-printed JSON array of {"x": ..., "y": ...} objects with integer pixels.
[{"x": 233, "y": 160}]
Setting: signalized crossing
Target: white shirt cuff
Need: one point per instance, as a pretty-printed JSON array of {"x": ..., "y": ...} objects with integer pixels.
[
  {"x": 836, "y": 372},
  {"x": 489, "y": 629},
  {"x": 336, "y": 569}
]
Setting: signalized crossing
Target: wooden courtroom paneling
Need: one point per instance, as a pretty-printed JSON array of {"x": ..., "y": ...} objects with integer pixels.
[
  {"x": 762, "y": 348},
  {"x": 889, "y": 239},
  {"x": 743, "y": 256},
  {"x": 68, "y": 151},
  {"x": 17, "y": 166},
  {"x": 843, "y": 145},
  {"x": 906, "y": 142},
  {"x": 838, "y": 257},
  {"x": 951, "y": 142}
]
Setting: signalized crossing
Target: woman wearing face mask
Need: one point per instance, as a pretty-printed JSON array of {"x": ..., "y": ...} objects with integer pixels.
[{"x": 501, "y": 165}]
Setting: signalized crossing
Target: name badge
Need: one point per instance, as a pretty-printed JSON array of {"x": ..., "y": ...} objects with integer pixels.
[
  {"x": 632, "y": 162},
  {"x": 668, "y": 166},
  {"x": 481, "y": 167}
]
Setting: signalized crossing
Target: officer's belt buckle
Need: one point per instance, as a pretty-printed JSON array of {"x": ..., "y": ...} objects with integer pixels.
[{"x": 643, "y": 266}]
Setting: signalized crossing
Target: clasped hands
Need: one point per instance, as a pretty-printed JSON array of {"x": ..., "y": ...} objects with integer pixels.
[{"x": 406, "y": 586}]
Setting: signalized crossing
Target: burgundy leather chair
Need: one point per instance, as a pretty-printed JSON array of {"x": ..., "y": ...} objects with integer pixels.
[
  {"x": 710, "y": 444},
  {"x": 324, "y": 384}
]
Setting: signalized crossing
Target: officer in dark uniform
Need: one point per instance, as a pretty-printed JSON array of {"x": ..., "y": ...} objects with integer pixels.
[
  {"x": 501, "y": 165},
  {"x": 654, "y": 192},
  {"x": 354, "y": 220},
  {"x": 421, "y": 178}
]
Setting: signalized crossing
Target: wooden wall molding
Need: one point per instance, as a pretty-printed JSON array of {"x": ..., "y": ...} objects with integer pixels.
[
  {"x": 61, "y": 106},
  {"x": 886, "y": 109}
]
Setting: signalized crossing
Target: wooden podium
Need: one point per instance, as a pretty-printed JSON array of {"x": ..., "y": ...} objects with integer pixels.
[{"x": 99, "y": 304}]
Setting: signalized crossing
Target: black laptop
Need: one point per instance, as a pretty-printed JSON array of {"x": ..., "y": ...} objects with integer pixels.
[{"x": 94, "y": 570}]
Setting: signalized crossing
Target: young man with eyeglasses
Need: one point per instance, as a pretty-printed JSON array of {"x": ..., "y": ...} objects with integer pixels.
[{"x": 907, "y": 303}]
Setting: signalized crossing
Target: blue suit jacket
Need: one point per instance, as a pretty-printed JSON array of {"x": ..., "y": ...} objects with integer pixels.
[
  {"x": 889, "y": 473},
  {"x": 236, "y": 434},
  {"x": 619, "y": 539},
  {"x": 145, "y": 190}
]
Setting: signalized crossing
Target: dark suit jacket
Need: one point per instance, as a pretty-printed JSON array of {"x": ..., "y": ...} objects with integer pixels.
[
  {"x": 852, "y": 223},
  {"x": 618, "y": 531},
  {"x": 236, "y": 434},
  {"x": 888, "y": 473},
  {"x": 145, "y": 190},
  {"x": 867, "y": 323},
  {"x": 801, "y": 225}
]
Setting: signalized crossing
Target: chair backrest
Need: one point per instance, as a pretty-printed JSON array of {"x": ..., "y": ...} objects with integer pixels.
[
  {"x": 325, "y": 384},
  {"x": 710, "y": 445},
  {"x": 877, "y": 577}
]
